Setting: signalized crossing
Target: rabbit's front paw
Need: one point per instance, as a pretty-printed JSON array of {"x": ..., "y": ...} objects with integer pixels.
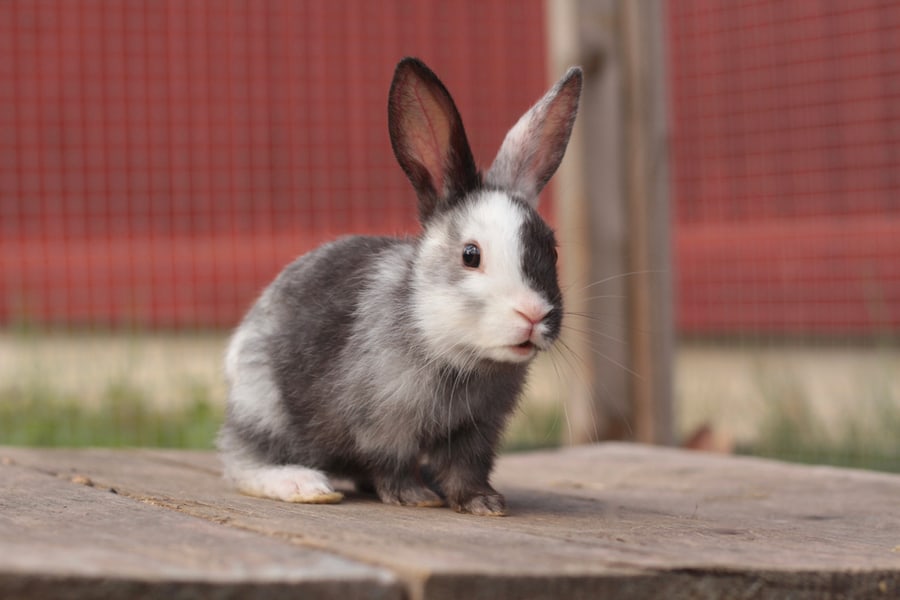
[
  {"x": 408, "y": 493},
  {"x": 485, "y": 505},
  {"x": 289, "y": 484}
]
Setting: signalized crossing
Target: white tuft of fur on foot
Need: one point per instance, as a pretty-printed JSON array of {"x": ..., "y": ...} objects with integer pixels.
[{"x": 286, "y": 483}]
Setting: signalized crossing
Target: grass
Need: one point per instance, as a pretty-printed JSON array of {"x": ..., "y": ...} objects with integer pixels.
[
  {"x": 35, "y": 414},
  {"x": 38, "y": 409},
  {"x": 38, "y": 415},
  {"x": 535, "y": 426},
  {"x": 865, "y": 435}
]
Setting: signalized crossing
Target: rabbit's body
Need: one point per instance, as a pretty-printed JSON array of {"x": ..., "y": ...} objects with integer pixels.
[
  {"x": 369, "y": 356},
  {"x": 356, "y": 402}
]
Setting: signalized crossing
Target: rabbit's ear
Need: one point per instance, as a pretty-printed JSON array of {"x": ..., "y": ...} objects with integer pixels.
[
  {"x": 534, "y": 147},
  {"x": 428, "y": 137}
]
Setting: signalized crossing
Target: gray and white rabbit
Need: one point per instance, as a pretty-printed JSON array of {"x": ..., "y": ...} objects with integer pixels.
[{"x": 382, "y": 359}]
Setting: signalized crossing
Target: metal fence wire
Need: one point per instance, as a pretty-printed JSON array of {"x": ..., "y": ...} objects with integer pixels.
[
  {"x": 161, "y": 161},
  {"x": 786, "y": 195}
]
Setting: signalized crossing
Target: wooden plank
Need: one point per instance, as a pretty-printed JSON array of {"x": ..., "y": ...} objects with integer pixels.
[
  {"x": 619, "y": 520},
  {"x": 59, "y": 540}
]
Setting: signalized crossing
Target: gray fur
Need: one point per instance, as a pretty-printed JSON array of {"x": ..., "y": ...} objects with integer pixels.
[
  {"x": 361, "y": 397},
  {"x": 330, "y": 371}
]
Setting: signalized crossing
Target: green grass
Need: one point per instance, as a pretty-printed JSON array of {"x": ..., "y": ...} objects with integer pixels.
[
  {"x": 864, "y": 435},
  {"x": 38, "y": 415},
  {"x": 35, "y": 414},
  {"x": 535, "y": 426},
  {"x": 868, "y": 435}
]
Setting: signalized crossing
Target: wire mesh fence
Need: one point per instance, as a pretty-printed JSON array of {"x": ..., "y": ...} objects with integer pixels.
[
  {"x": 786, "y": 154},
  {"x": 160, "y": 162}
]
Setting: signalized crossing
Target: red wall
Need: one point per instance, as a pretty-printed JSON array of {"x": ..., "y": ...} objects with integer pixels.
[
  {"x": 161, "y": 161},
  {"x": 786, "y": 165}
]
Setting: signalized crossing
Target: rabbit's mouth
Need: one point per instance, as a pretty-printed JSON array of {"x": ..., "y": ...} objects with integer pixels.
[
  {"x": 523, "y": 349},
  {"x": 513, "y": 353}
]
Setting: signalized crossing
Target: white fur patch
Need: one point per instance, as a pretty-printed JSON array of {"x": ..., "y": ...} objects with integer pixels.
[
  {"x": 461, "y": 310},
  {"x": 392, "y": 381},
  {"x": 286, "y": 483},
  {"x": 253, "y": 396}
]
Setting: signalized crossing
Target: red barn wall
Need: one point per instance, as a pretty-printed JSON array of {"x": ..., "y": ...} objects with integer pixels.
[
  {"x": 161, "y": 161},
  {"x": 786, "y": 166}
]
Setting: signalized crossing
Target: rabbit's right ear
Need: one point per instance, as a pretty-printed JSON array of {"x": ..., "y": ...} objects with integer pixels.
[{"x": 428, "y": 137}]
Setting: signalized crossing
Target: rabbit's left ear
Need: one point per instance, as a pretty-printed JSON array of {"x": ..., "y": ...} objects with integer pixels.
[{"x": 534, "y": 147}]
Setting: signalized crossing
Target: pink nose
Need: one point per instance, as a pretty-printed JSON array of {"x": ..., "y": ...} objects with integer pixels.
[{"x": 533, "y": 314}]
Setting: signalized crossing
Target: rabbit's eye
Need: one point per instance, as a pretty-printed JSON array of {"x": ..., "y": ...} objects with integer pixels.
[{"x": 471, "y": 256}]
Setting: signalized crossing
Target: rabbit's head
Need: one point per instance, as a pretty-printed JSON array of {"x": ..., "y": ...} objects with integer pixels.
[{"x": 484, "y": 281}]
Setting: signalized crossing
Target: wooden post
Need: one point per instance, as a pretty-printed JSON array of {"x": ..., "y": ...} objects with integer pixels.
[
  {"x": 573, "y": 220},
  {"x": 614, "y": 221},
  {"x": 646, "y": 174}
]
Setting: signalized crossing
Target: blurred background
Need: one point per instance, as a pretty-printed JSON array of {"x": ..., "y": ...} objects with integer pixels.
[{"x": 728, "y": 211}]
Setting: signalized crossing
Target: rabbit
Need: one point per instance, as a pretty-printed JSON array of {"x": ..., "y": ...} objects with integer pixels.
[{"x": 395, "y": 363}]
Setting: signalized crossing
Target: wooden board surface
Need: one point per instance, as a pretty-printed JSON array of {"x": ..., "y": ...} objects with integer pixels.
[
  {"x": 619, "y": 520},
  {"x": 56, "y": 536}
]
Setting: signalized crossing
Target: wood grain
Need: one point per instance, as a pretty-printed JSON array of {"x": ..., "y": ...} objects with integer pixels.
[
  {"x": 62, "y": 539},
  {"x": 624, "y": 521}
]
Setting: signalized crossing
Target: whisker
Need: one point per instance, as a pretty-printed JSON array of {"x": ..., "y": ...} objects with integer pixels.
[
  {"x": 617, "y": 363},
  {"x": 589, "y": 332},
  {"x": 559, "y": 378},
  {"x": 608, "y": 320},
  {"x": 565, "y": 405},
  {"x": 606, "y": 296},
  {"x": 603, "y": 391},
  {"x": 621, "y": 275}
]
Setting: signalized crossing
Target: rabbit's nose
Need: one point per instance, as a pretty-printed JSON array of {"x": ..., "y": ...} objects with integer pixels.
[{"x": 533, "y": 314}]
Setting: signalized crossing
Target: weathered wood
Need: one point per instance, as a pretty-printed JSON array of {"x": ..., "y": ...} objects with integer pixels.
[
  {"x": 59, "y": 539},
  {"x": 600, "y": 337},
  {"x": 613, "y": 215},
  {"x": 618, "y": 520},
  {"x": 572, "y": 211},
  {"x": 645, "y": 149},
  {"x": 63, "y": 540}
]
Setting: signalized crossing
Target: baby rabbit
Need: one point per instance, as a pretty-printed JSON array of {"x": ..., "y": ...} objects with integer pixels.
[{"x": 396, "y": 362}]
